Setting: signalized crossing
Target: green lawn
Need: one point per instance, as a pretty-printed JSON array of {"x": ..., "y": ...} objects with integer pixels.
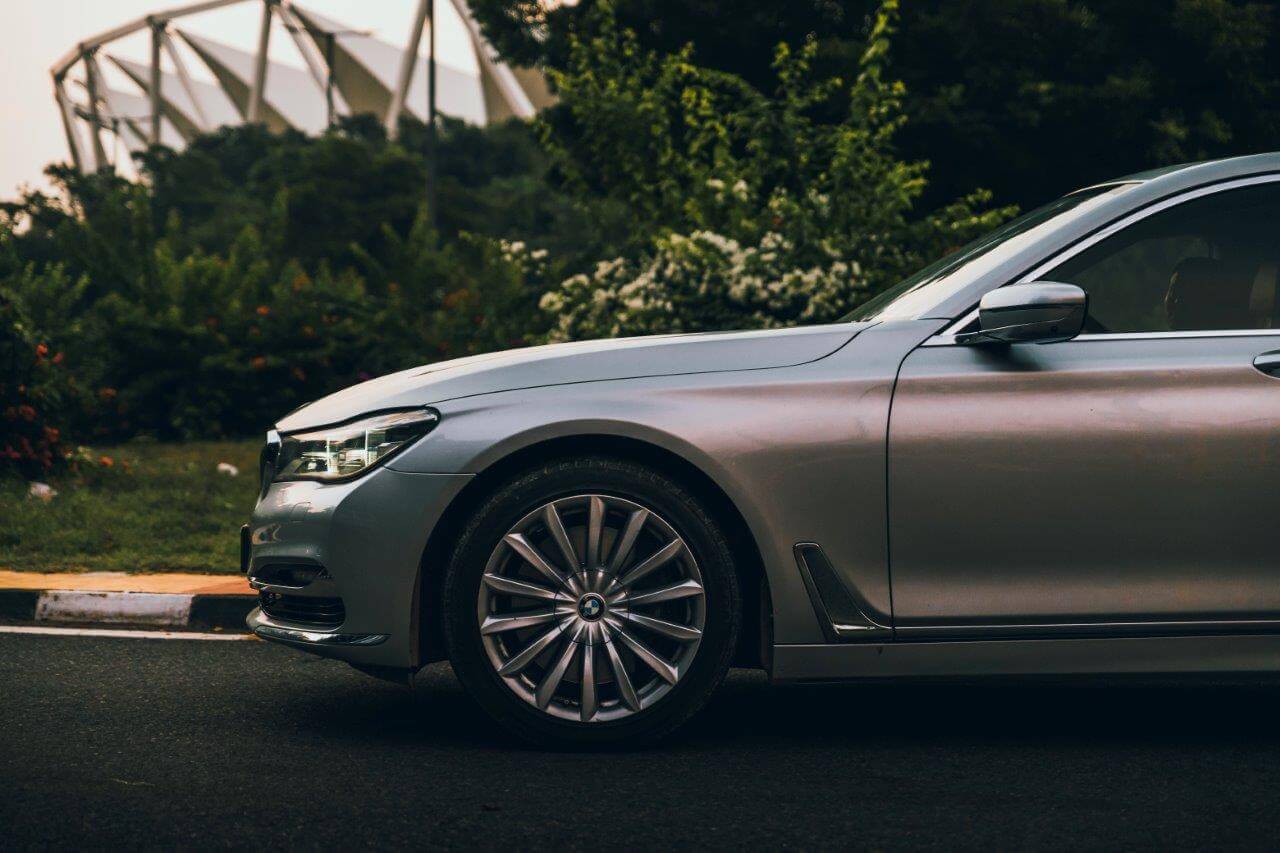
[{"x": 158, "y": 507}]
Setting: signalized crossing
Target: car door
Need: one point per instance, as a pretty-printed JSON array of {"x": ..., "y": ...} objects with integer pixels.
[{"x": 1127, "y": 481}]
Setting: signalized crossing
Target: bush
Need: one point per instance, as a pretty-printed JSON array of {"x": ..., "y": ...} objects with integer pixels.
[
  {"x": 34, "y": 394},
  {"x": 207, "y": 345},
  {"x": 179, "y": 328},
  {"x": 750, "y": 210}
]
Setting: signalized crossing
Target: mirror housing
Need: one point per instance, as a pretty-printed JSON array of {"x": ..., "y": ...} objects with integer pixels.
[{"x": 1042, "y": 312}]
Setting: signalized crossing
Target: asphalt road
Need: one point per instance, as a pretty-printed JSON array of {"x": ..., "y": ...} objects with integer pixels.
[{"x": 163, "y": 744}]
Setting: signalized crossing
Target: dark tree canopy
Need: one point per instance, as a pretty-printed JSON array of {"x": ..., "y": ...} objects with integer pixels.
[{"x": 1028, "y": 98}]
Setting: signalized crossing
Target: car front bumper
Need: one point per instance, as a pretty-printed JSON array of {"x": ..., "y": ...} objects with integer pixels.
[{"x": 364, "y": 540}]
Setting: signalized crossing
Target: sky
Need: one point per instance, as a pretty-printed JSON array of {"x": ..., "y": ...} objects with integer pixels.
[{"x": 41, "y": 31}]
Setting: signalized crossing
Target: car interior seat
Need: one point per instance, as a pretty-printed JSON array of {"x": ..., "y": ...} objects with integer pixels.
[
  {"x": 1263, "y": 301},
  {"x": 1205, "y": 294}
]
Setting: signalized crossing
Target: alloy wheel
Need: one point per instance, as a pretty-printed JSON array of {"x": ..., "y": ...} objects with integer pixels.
[{"x": 591, "y": 608}]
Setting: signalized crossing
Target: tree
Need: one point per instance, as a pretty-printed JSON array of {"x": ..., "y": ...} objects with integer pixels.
[
  {"x": 746, "y": 209},
  {"x": 1029, "y": 98}
]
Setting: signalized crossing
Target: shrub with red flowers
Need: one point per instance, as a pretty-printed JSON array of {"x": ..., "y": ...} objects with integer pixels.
[{"x": 34, "y": 392}]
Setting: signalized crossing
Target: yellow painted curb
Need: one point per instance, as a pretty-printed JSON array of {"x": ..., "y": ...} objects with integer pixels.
[{"x": 177, "y": 582}]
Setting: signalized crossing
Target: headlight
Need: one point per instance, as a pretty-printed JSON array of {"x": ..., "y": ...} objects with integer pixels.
[{"x": 346, "y": 450}]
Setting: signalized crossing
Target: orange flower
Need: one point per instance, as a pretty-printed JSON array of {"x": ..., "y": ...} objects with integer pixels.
[
  {"x": 42, "y": 350},
  {"x": 258, "y": 362},
  {"x": 57, "y": 358},
  {"x": 106, "y": 461},
  {"x": 263, "y": 310},
  {"x": 299, "y": 374},
  {"x": 308, "y": 331}
]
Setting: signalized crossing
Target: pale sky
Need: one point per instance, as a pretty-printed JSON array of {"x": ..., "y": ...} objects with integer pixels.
[{"x": 39, "y": 32}]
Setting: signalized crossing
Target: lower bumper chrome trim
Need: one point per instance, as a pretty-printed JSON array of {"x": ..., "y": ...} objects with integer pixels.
[{"x": 268, "y": 630}]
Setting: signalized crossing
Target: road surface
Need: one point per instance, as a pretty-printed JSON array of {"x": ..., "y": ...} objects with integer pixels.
[{"x": 127, "y": 743}]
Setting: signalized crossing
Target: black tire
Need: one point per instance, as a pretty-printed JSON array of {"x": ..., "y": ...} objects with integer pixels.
[{"x": 618, "y": 478}]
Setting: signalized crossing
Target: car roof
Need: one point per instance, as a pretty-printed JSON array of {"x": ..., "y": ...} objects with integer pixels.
[
  {"x": 1204, "y": 171},
  {"x": 1144, "y": 188}
]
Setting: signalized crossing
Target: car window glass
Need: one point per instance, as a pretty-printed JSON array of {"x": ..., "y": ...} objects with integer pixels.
[
  {"x": 1208, "y": 264},
  {"x": 954, "y": 271}
]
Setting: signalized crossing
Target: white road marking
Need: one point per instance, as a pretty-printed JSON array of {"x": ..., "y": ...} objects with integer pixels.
[
  {"x": 147, "y": 608},
  {"x": 121, "y": 632}
]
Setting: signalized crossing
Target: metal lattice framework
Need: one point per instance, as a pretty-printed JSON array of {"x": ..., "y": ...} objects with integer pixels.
[{"x": 347, "y": 71}]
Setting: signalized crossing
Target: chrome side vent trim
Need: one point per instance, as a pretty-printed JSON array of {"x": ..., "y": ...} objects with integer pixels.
[{"x": 844, "y": 618}]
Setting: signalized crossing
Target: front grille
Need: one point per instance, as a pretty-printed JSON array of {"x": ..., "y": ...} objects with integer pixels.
[{"x": 304, "y": 610}]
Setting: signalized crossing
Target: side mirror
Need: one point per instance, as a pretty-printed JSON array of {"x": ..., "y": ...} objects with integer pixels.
[{"x": 1042, "y": 312}]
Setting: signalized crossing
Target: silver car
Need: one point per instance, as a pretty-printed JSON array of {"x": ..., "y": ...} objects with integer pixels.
[{"x": 1054, "y": 451}]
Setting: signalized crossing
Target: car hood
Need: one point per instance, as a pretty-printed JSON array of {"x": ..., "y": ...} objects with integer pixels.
[{"x": 585, "y": 361}]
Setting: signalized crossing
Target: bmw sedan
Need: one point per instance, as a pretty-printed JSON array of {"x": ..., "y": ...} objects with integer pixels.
[{"x": 1055, "y": 451}]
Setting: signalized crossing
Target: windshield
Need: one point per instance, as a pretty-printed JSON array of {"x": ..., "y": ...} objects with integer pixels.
[{"x": 933, "y": 284}]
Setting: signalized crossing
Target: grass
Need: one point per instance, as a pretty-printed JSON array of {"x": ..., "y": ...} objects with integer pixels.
[{"x": 156, "y": 508}]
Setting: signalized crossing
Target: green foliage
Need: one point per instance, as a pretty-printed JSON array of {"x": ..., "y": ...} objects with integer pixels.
[
  {"x": 1030, "y": 98},
  {"x": 252, "y": 273},
  {"x": 747, "y": 208},
  {"x": 39, "y": 391}
]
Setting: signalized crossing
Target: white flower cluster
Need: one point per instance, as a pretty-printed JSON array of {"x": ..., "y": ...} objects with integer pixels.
[
  {"x": 531, "y": 262},
  {"x": 703, "y": 280}
]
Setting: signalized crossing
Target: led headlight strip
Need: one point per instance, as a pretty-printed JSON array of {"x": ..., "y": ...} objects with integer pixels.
[{"x": 343, "y": 451}]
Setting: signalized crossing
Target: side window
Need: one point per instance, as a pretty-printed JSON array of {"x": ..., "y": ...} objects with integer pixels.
[{"x": 1207, "y": 264}]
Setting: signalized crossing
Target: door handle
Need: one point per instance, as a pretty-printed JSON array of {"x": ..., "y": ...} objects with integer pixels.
[{"x": 1268, "y": 363}]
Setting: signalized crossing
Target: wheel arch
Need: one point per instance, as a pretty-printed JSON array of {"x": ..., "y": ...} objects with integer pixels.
[{"x": 756, "y": 640}]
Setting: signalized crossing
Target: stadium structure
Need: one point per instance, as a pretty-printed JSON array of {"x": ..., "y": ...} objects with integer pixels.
[{"x": 348, "y": 71}]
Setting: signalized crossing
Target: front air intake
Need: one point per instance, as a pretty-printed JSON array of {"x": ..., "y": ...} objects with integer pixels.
[
  {"x": 291, "y": 575},
  {"x": 306, "y": 610}
]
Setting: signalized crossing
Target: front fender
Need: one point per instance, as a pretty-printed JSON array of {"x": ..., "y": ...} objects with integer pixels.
[
  {"x": 800, "y": 451},
  {"x": 684, "y": 416}
]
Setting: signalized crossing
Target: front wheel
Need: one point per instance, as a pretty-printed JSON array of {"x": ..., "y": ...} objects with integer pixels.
[{"x": 591, "y": 602}]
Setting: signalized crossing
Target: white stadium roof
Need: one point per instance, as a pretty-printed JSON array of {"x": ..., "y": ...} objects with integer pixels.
[
  {"x": 365, "y": 70},
  {"x": 210, "y": 107},
  {"x": 368, "y": 75},
  {"x": 290, "y": 98}
]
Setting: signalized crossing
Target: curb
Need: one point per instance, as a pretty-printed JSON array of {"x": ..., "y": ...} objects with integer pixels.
[{"x": 206, "y": 612}]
